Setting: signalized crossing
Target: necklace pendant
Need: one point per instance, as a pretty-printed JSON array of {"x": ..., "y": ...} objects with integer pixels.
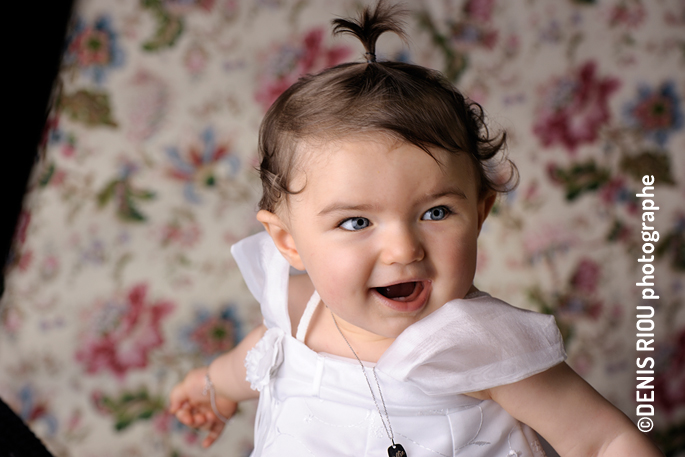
[{"x": 396, "y": 450}]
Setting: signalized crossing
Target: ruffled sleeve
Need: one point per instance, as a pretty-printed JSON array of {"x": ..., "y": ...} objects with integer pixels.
[
  {"x": 263, "y": 360},
  {"x": 265, "y": 272},
  {"x": 473, "y": 344}
]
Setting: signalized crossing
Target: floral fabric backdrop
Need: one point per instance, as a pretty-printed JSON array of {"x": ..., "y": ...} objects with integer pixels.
[{"x": 121, "y": 278}]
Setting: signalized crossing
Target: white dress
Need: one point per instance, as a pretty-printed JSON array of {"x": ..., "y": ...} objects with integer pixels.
[{"x": 316, "y": 404}]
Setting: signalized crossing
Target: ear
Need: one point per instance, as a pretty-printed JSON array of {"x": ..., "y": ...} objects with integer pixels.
[
  {"x": 484, "y": 206},
  {"x": 283, "y": 240}
]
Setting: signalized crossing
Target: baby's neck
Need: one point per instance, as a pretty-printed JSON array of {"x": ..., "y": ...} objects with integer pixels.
[{"x": 323, "y": 336}]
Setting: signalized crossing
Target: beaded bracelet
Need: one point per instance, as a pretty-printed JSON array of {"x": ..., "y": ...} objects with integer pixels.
[{"x": 209, "y": 387}]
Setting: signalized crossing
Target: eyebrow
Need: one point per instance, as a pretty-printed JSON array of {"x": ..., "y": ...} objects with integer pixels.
[
  {"x": 340, "y": 206},
  {"x": 454, "y": 192}
]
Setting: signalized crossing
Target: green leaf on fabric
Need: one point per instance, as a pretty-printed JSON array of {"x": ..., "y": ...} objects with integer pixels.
[
  {"x": 46, "y": 175},
  {"x": 126, "y": 197},
  {"x": 580, "y": 178},
  {"x": 673, "y": 245},
  {"x": 89, "y": 107},
  {"x": 143, "y": 194},
  {"x": 547, "y": 306},
  {"x": 656, "y": 163},
  {"x": 671, "y": 439},
  {"x": 455, "y": 61},
  {"x": 169, "y": 27},
  {"x": 130, "y": 406},
  {"x": 129, "y": 212},
  {"x": 106, "y": 194},
  {"x": 618, "y": 231}
]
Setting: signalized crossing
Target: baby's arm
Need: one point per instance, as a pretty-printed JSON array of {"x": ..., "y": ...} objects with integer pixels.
[
  {"x": 573, "y": 417},
  {"x": 227, "y": 373}
]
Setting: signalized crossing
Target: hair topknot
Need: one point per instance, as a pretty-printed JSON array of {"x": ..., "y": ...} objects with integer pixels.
[
  {"x": 372, "y": 24},
  {"x": 403, "y": 101}
]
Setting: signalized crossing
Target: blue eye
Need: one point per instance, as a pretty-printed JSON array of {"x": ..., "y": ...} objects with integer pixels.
[
  {"x": 436, "y": 214},
  {"x": 355, "y": 223}
]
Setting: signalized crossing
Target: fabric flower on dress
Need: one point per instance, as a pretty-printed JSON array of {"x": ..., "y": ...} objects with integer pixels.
[
  {"x": 263, "y": 361},
  {"x": 573, "y": 108}
]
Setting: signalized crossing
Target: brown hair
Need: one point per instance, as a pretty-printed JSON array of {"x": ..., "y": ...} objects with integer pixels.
[{"x": 408, "y": 102}]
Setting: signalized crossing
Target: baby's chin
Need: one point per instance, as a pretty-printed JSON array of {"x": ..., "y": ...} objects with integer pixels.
[{"x": 396, "y": 326}]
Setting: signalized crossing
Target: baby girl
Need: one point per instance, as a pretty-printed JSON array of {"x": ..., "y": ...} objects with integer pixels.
[{"x": 377, "y": 178}]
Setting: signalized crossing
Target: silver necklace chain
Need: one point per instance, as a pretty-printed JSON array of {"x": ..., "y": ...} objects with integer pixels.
[{"x": 388, "y": 427}]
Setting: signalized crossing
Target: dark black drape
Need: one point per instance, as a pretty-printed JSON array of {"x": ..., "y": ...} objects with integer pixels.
[{"x": 34, "y": 40}]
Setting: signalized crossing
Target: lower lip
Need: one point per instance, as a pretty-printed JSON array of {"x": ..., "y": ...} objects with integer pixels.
[{"x": 408, "y": 306}]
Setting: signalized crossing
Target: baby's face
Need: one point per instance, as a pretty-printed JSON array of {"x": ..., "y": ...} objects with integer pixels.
[{"x": 386, "y": 234}]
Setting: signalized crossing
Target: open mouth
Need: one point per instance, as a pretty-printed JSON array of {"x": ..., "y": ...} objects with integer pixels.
[{"x": 402, "y": 292}]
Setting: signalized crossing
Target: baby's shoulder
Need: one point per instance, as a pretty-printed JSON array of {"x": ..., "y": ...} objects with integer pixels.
[{"x": 300, "y": 290}]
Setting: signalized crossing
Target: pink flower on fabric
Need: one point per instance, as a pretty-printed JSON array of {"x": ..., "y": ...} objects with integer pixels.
[
  {"x": 616, "y": 191},
  {"x": 669, "y": 384},
  {"x": 480, "y": 10},
  {"x": 586, "y": 276},
  {"x": 94, "y": 48},
  {"x": 631, "y": 15},
  {"x": 213, "y": 332},
  {"x": 657, "y": 111},
  {"x": 263, "y": 361},
  {"x": 288, "y": 62},
  {"x": 573, "y": 108},
  {"x": 547, "y": 241},
  {"x": 121, "y": 332},
  {"x": 22, "y": 226}
]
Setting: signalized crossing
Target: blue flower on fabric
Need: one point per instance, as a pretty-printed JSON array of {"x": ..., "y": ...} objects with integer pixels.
[
  {"x": 94, "y": 48},
  {"x": 203, "y": 166},
  {"x": 34, "y": 408},
  {"x": 213, "y": 333},
  {"x": 656, "y": 112}
]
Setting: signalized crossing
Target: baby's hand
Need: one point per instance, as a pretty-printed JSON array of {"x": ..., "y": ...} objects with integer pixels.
[{"x": 192, "y": 406}]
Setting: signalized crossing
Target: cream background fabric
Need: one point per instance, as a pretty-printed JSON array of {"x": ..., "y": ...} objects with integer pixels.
[{"x": 121, "y": 277}]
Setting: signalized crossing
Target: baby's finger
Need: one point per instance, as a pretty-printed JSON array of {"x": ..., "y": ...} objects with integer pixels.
[
  {"x": 214, "y": 433},
  {"x": 176, "y": 405},
  {"x": 199, "y": 419},
  {"x": 177, "y": 398},
  {"x": 185, "y": 416}
]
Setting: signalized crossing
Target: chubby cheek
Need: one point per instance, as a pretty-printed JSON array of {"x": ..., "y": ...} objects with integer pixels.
[
  {"x": 340, "y": 276},
  {"x": 461, "y": 260}
]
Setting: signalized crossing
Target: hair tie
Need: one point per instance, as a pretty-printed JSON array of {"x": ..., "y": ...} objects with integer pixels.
[{"x": 370, "y": 57}]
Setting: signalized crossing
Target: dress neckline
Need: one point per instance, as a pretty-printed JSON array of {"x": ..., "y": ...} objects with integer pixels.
[{"x": 314, "y": 302}]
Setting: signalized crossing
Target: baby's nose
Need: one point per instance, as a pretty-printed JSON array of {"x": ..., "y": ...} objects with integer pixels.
[{"x": 402, "y": 245}]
